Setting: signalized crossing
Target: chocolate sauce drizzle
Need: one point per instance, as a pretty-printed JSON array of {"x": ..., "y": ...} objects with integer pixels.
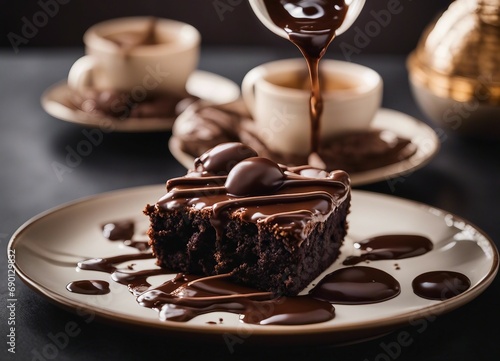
[
  {"x": 184, "y": 297},
  {"x": 187, "y": 296}
]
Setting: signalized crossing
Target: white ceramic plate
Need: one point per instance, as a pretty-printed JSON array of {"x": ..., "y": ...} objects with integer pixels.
[
  {"x": 403, "y": 125},
  {"x": 48, "y": 247},
  {"x": 205, "y": 85}
]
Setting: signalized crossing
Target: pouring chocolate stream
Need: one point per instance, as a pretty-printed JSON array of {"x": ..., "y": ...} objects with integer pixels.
[{"x": 311, "y": 25}]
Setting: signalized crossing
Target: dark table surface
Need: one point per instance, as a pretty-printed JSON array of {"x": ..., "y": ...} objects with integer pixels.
[{"x": 464, "y": 179}]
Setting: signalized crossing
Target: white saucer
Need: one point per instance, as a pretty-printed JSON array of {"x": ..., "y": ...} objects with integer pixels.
[
  {"x": 403, "y": 125},
  {"x": 202, "y": 84},
  {"x": 48, "y": 247}
]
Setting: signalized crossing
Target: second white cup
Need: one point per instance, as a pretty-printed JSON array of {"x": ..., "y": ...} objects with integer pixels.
[
  {"x": 277, "y": 95},
  {"x": 164, "y": 66}
]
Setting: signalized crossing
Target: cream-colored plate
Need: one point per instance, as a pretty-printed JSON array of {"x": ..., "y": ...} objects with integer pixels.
[
  {"x": 202, "y": 84},
  {"x": 425, "y": 139},
  {"x": 48, "y": 247}
]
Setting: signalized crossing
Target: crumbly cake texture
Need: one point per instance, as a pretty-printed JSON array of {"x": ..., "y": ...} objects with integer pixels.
[{"x": 270, "y": 227}]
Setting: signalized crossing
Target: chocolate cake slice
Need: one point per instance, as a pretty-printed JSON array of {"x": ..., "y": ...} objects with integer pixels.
[{"x": 271, "y": 227}]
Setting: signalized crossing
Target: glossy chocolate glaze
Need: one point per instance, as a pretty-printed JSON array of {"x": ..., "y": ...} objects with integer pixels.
[
  {"x": 392, "y": 246},
  {"x": 89, "y": 287},
  {"x": 356, "y": 285},
  {"x": 311, "y": 26},
  {"x": 260, "y": 191},
  {"x": 440, "y": 285}
]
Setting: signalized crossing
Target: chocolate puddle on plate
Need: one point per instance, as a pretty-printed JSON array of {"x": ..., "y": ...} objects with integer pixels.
[
  {"x": 184, "y": 297},
  {"x": 440, "y": 285},
  {"x": 389, "y": 247}
]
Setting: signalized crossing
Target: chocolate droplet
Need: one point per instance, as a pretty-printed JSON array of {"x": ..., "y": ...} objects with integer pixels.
[
  {"x": 254, "y": 176},
  {"x": 89, "y": 287},
  {"x": 119, "y": 231},
  {"x": 440, "y": 285},
  {"x": 223, "y": 157}
]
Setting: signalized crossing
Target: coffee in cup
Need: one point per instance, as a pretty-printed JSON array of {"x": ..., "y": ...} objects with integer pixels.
[
  {"x": 277, "y": 95},
  {"x": 122, "y": 54}
]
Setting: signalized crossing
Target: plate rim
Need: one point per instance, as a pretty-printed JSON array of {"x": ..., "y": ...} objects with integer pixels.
[
  {"x": 130, "y": 125},
  {"x": 391, "y": 171},
  {"x": 260, "y": 334}
]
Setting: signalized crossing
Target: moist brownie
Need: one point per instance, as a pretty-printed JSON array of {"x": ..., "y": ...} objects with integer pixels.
[{"x": 272, "y": 227}]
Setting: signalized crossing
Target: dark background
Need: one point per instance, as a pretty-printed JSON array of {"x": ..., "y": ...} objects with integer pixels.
[{"x": 221, "y": 22}]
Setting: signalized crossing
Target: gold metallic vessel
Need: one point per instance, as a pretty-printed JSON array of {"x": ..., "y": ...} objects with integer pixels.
[{"x": 455, "y": 69}]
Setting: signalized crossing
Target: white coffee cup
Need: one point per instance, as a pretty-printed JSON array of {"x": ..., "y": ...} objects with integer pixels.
[
  {"x": 164, "y": 66},
  {"x": 280, "y": 107}
]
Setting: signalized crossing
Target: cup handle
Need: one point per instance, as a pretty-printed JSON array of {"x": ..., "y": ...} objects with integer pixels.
[
  {"x": 80, "y": 74},
  {"x": 248, "y": 87}
]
